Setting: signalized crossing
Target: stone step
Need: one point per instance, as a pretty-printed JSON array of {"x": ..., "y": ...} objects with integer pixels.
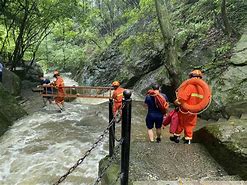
[{"x": 182, "y": 182}]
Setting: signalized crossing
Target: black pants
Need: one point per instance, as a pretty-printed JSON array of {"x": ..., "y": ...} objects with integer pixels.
[{"x": 1, "y": 74}]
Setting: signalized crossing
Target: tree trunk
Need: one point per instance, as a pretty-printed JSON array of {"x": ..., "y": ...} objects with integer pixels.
[
  {"x": 16, "y": 57},
  {"x": 17, "y": 54},
  {"x": 42, "y": 37},
  {"x": 228, "y": 29},
  {"x": 8, "y": 29},
  {"x": 173, "y": 63}
]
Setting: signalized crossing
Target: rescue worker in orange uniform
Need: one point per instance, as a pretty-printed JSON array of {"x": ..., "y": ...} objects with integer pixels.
[
  {"x": 117, "y": 97},
  {"x": 187, "y": 121},
  {"x": 59, "y": 84}
]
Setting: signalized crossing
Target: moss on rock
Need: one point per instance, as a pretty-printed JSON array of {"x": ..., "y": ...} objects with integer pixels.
[
  {"x": 10, "y": 110},
  {"x": 112, "y": 172},
  {"x": 227, "y": 143}
]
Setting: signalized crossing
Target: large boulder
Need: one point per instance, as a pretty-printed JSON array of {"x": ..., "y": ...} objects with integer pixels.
[
  {"x": 34, "y": 71},
  {"x": 143, "y": 84},
  {"x": 10, "y": 110},
  {"x": 227, "y": 142},
  {"x": 230, "y": 87},
  {"x": 29, "y": 71},
  {"x": 11, "y": 82},
  {"x": 143, "y": 66}
]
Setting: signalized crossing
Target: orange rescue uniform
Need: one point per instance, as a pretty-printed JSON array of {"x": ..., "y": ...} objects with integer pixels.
[
  {"x": 59, "y": 83},
  {"x": 192, "y": 95},
  {"x": 117, "y": 99}
]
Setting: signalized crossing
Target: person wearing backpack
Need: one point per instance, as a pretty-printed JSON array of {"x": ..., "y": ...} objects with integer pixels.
[{"x": 157, "y": 106}]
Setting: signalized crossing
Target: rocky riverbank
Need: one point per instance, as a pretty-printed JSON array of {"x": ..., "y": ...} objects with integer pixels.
[
  {"x": 10, "y": 109},
  {"x": 31, "y": 101}
]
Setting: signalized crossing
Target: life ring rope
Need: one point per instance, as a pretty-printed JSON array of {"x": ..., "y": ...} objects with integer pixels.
[
  {"x": 205, "y": 96},
  {"x": 188, "y": 112}
]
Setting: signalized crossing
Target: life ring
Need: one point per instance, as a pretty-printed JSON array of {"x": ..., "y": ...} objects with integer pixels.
[{"x": 205, "y": 95}]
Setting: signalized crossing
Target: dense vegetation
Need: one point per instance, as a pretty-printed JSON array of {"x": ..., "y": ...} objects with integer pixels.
[{"x": 66, "y": 34}]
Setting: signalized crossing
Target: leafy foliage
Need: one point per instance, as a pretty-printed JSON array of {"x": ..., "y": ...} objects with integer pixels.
[{"x": 67, "y": 34}]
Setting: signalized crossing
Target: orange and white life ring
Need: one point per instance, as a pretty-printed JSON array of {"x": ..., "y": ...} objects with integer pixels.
[{"x": 204, "y": 96}]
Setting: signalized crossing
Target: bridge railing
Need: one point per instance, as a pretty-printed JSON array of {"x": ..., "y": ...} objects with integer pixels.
[{"x": 76, "y": 91}]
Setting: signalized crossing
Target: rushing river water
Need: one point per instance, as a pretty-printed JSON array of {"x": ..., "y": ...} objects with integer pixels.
[{"x": 41, "y": 147}]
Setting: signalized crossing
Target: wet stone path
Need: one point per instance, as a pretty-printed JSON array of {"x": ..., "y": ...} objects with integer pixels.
[
  {"x": 171, "y": 161},
  {"x": 167, "y": 161}
]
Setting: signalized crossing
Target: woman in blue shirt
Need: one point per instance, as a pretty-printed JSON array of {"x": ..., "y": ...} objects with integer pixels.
[{"x": 154, "y": 115}]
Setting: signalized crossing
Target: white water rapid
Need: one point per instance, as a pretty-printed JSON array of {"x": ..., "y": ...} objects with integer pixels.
[{"x": 39, "y": 148}]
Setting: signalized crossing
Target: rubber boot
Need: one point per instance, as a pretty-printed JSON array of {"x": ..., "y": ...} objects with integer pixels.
[
  {"x": 175, "y": 139},
  {"x": 187, "y": 141}
]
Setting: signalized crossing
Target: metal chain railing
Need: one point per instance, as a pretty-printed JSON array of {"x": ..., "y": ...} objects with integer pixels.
[
  {"x": 120, "y": 113},
  {"x": 118, "y": 121},
  {"x": 113, "y": 157},
  {"x": 123, "y": 141},
  {"x": 87, "y": 153},
  {"x": 110, "y": 161}
]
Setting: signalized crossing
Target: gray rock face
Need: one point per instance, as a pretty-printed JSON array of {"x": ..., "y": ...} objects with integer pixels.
[
  {"x": 11, "y": 82},
  {"x": 240, "y": 52},
  {"x": 230, "y": 88},
  {"x": 10, "y": 110},
  {"x": 228, "y": 80},
  {"x": 33, "y": 72},
  {"x": 158, "y": 75},
  {"x": 112, "y": 65}
]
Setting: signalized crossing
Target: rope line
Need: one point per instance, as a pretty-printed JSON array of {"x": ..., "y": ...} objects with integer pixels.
[{"x": 188, "y": 112}]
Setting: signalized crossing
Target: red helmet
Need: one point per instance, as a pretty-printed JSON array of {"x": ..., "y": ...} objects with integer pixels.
[
  {"x": 195, "y": 73},
  {"x": 115, "y": 84}
]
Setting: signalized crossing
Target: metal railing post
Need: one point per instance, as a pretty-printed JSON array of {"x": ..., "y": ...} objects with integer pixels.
[
  {"x": 111, "y": 129},
  {"x": 126, "y": 129}
]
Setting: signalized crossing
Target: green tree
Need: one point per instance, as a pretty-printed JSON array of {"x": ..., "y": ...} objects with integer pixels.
[
  {"x": 28, "y": 22},
  {"x": 168, "y": 34}
]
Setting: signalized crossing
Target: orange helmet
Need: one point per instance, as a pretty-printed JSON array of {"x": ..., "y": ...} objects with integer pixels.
[
  {"x": 115, "y": 84},
  {"x": 195, "y": 73}
]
